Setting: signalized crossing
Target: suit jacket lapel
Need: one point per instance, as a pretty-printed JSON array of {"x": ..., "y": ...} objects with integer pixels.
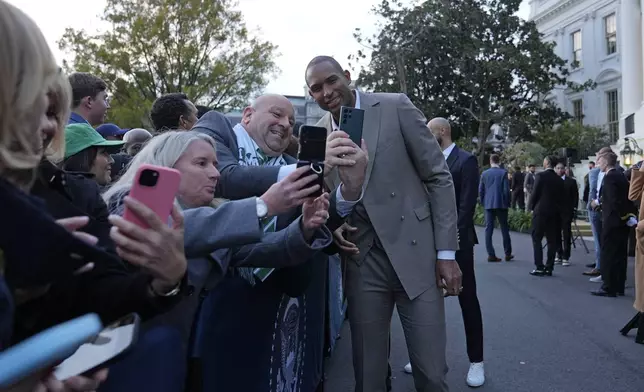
[
  {"x": 452, "y": 157},
  {"x": 370, "y": 128}
]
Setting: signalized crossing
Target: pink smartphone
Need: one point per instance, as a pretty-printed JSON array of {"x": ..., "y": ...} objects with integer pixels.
[{"x": 156, "y": 187}]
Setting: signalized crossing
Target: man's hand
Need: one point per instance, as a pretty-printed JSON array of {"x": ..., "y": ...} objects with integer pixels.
[
  {"x": 353, "y": 176},
  {"x": 159, "y": 249},
  {"x": 449, "y": 276},
  {"x": 344, "y": 245},
  {"x": 338, "y": 146},
  {"x": 315, "y": 213},
  {"x": 73, "y": 384},
  {"x": 291, "y": 192}
]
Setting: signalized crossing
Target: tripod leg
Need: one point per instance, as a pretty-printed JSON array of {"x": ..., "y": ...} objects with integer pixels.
[{"x": 633, "y": 323}]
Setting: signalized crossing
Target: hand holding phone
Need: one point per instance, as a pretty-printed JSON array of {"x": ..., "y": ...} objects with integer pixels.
[
  {"x": 105, "y": 348},
  {"x": 291, "y": 192},
  {"x": 313, "y": 152},
  {"x": 156, "y": 187},
  {"x": 351, "y": 122}
]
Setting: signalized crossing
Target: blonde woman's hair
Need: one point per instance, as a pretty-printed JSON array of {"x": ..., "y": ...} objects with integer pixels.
[
  {"x": 163, "y": 150},
  {"x": 27, "y": 69},
  {"x": 60, "y": 100}
]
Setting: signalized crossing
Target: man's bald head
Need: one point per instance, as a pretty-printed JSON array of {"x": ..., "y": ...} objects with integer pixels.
[
  {"x": 267, "y": 100},
  {"x": 135, "y": 139},
  {"x": 440, "y": 128},
  {"x": 137, "y": 135}
]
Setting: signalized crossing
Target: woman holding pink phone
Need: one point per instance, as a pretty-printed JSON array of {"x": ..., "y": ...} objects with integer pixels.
[{"x": 219, "y": 234}]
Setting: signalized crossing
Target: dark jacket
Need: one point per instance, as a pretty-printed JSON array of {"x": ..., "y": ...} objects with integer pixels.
[
  {"x": 111, "y": 289},
  {"x": 465, "y": 173},
  {"x": 545, "y": 198},
  {"x": 516, "y": 185},
  {"x": 586, "y": 188},
  {"x": 571, "y": 192},
  {"x": 613, "y": 197}
]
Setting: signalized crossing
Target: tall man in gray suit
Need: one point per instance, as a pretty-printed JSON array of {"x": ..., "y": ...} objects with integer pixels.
[{"x": 406, "y": 231}]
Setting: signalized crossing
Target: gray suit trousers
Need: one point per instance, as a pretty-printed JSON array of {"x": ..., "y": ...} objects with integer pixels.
[{"x": 373, "y": 288}]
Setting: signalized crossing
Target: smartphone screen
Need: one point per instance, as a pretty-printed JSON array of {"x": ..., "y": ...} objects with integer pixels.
[
  {"x": 312, "y": 152},
  {"x": 107, "y": 345},
  {"x": 312, "y": 144}
]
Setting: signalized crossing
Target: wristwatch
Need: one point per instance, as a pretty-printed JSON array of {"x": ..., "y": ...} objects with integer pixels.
[
  {"x": 262, "y": 208},
  {"x": 170, "y": 293}
]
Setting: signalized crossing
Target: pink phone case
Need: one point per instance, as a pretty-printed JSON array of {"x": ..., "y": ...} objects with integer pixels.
[{"x": 159, "y": 198}]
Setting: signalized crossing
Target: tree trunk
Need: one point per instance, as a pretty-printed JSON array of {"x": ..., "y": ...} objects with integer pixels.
[
  {"x": 400, "y": 70},
  {"x": 484, "y": 129}
]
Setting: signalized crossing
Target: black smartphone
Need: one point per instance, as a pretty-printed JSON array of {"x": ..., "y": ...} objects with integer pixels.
[
  {"x": 110, "y": 345},
  {"x": 312, "y": 152},
  {"x": 351, "y": 121}
]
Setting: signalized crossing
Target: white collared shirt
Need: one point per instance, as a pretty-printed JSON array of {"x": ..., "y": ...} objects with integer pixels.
[{"x": 448, "y": 150}]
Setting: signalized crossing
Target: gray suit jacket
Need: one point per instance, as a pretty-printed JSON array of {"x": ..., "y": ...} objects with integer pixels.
[
  {"x": 230, "y": 236},
  {"x": 409, "y": 193}
]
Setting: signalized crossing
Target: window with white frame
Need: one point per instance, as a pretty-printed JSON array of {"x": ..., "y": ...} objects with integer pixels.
[
  {"x": 610, "y": 27},
  {"x": 612, "y": 105},
  {"x": 576, "y": 47},
  {"x": 578, "y": 110}
]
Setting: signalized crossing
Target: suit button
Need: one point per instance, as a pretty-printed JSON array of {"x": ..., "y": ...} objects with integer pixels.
[
  {"x": 393, "y": 194},
  {"x": 402, "y": 217},
  {"x": 413, "y": 242}
]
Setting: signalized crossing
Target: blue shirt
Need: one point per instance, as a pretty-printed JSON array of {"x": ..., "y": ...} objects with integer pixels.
[{"x": 76, "y": 118}]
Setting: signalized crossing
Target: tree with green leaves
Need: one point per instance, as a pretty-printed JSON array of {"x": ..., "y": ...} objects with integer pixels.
[
  {"x": 523, "y": 154},
  {"x": 587, "y": 140},
  {"x": 472, "y": 61},
  {"x": 152, "y": 47}
]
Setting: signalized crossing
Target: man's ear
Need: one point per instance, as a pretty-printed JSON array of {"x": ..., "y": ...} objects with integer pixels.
[
  {"x": 246, "y": 114},
  {"x": 347, "y": 74},
  {"x": 87, "y": 102}
]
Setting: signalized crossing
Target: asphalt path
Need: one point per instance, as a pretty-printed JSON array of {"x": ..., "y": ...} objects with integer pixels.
[{"x": 541, "y": 334}]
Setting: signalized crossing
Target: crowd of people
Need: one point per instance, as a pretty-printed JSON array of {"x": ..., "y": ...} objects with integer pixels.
[{"x": 248, "y": 224}]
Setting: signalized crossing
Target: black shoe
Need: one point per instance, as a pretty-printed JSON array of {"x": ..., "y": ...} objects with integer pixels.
[
  {"x": 592, "y": 265},
  {"x": 547, "y": 272},
  {"x": 509, "y": 257},
  {"x": 538, "y": 272},
  {"x": 603, "y": 293}
]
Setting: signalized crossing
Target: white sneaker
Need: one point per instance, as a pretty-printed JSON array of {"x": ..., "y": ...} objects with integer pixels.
[
  {"x": 565, "y": 263},
  {"x": 596, "y": 279},
  {"x": 407, "y": 368},
  {"x": 476, "y": 375}
]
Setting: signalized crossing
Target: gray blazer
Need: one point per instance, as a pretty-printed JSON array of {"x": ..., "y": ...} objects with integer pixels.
[
  {"x": 231, "y": 236},
  {"x": 409, "y": 200}
]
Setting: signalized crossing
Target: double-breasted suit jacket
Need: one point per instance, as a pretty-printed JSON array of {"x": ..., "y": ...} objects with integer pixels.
[{"x": 408, "y": 202}]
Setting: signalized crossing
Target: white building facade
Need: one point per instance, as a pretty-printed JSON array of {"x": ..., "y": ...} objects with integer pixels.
[{"x": 597, "y": 37}]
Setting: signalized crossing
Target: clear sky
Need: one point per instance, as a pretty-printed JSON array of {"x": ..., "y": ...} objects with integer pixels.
[{"x": 300, "y": 28}]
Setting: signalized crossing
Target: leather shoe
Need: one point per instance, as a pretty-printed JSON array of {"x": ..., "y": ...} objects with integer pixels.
[
  {"x": 509, "y": 257},
  {"x": 493, "y": 259},
  {"x": 603, "y": 293},
  {"x": 537, "y": 272},
  {"x": 591, "y": 265}
]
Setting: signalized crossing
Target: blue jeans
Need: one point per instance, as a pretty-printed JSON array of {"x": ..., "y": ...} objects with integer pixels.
[
  {"x": 491, "y": 215},
  {"x": 596, "y": 226}
]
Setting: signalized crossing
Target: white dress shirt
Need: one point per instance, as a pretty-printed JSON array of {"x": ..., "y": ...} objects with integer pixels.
[
  {"x": 448, "y": 150},
  {"x": 600, "y": 180}
]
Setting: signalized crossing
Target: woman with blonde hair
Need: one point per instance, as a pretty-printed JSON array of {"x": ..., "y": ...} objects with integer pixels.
[{"x": 30, "y": 240}]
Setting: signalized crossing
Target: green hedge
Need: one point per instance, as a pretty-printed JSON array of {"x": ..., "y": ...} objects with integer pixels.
[{"x": 518, "y": 220}]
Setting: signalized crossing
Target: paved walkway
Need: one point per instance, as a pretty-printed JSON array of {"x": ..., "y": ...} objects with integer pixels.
[{"x": 541, "y": 334}]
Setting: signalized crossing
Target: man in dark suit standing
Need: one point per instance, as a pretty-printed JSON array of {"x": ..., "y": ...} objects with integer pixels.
[
  {"x": 616, "y": 209},
  {"x": 516, "y": 187},
  {"x": 465, "y": 174},
  {"x": 494, "y": 190},
  {"x": 571, "y": 196},
  {"x": 547, "y": 206}
]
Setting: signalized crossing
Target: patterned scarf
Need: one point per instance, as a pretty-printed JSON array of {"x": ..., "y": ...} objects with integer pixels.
[{"x": 251, "y": 155}]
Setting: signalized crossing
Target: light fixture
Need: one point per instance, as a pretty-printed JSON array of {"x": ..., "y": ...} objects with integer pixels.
[{"x": 629, "y": 150}]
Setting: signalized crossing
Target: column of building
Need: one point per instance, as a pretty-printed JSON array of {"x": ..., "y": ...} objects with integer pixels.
[{"x": 630, "y": 39}]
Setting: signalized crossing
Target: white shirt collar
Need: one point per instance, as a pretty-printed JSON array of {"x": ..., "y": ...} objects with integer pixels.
[
  {"x": 448, "y": 150},
  {"x": 357, "y": 94}
]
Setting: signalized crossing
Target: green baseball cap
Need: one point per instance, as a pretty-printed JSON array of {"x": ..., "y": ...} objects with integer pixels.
[{"x": 79, "y": 137}]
